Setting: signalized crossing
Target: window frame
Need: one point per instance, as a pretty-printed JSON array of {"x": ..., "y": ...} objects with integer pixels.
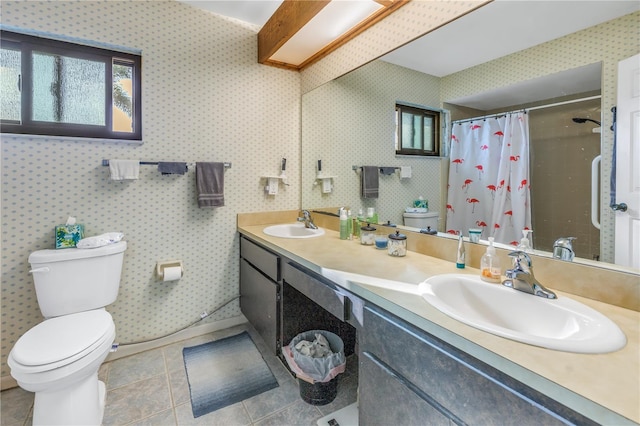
[
  {"x": 26, "y": 44},
  {"x": 435, "y": 133}
]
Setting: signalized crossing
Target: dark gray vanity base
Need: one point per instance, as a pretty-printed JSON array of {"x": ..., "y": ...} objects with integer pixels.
[{"x": 454, "y": 384}]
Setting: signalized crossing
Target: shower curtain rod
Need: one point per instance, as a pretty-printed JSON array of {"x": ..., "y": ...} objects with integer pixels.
[{"x": 525, "y": 110}]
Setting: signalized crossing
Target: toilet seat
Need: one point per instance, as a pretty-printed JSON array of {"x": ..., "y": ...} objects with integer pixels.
[{"x": 60, "y": 341}]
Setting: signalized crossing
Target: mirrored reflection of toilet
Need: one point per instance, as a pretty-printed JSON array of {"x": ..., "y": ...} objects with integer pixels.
[
  {"x": 421, "y": 220},
  {"x": 59, "y": 358}
]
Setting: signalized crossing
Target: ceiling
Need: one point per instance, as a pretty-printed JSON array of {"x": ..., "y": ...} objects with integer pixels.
[{"x": 530, "y": 21}]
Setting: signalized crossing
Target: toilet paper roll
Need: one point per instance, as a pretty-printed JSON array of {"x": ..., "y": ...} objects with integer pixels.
[{"x": 172, "y": 273}]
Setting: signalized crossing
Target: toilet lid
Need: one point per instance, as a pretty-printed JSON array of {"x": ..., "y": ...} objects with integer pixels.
[{"x": 58, "y": 339}]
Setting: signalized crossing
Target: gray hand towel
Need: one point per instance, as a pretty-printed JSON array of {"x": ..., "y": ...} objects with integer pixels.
[
  {"x": 210, "y": 184},
  {"x": 369, "y": 182},
  {"x": 172, "y": 168}
]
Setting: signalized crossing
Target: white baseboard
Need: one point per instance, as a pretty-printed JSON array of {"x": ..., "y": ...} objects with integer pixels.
[
  {"x": 188, "y": 333},
  {"x": 7, "y": 382}
]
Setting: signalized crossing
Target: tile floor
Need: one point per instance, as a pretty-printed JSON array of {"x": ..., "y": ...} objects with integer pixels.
[{"x": 151, "y": 388}]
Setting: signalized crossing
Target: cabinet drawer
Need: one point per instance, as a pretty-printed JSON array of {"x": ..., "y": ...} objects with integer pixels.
[
  {"x": 320, "y": 292},
  {"x": 261, "y": 258}
]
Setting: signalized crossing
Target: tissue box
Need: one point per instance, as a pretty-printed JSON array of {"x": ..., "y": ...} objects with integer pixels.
[
  {"x": 421, "y": 204},
  {"x": 67, "y": 236}
]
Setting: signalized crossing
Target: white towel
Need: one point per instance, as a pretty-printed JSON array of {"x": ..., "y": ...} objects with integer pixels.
[
  {"x": 124, "y": 169},
  {"x": 405, "y": 172}
]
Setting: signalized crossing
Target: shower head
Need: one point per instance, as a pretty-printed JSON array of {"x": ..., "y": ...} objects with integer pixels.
[{"x": 584, "y": 120}]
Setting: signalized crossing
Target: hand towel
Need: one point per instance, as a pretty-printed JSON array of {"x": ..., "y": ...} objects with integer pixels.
[
  {"x": 369, "y": 182},
  {"x": 405, "y": 172},
  {"x": 124, "y": 169},
  {"x": 387, "y": 170},
  {"x": 172, "y": 168},
  {"x": 210, "y": 184}
]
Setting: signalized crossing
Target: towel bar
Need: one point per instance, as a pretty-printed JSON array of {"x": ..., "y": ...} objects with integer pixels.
[
  {"x": 227, "y": 165},
  {"x": 355, "y": 168}
]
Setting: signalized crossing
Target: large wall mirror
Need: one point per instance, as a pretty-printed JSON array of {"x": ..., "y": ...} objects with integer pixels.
[{"x": 349, "y": 122}]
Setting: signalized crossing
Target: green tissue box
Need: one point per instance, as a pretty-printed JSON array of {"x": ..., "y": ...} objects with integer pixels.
[{"x": 67, "y": 236}]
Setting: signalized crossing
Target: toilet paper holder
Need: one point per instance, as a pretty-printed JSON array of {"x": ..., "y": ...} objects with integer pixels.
[{"x": 161, "y": 266}]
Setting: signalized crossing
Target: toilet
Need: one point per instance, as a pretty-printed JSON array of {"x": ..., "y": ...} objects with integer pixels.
[
  {"x": 421, "y": 220},
  {"x": 59, "y": 358}
]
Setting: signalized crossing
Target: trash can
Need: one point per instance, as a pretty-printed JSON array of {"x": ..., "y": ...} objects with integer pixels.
[{"x": 317, "y": 358}]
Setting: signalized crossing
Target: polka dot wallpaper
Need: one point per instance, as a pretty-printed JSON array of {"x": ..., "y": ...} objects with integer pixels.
[{"x": 205, "y": 98}]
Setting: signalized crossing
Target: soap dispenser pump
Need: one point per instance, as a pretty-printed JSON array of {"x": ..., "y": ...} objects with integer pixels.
[
  {"x": 525, "y": 244},
  {"x": 490, "y": 264}
]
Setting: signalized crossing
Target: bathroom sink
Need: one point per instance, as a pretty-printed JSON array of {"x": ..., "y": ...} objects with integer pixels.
[
  {"x": 292, "y": 230},
  {"x": 561, "y": 324}
]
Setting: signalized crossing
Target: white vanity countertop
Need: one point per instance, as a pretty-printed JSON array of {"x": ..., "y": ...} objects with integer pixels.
[{"x": 603, "y": 387}]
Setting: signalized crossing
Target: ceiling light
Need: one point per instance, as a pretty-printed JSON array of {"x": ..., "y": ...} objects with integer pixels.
[{"x": 301, "y": 32}]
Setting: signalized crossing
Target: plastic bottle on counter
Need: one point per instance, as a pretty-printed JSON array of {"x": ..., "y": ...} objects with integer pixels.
[
  {"x": 525, "y": 243},
  {"x": 344, "y": 225},
  {"x": 372, "y": 216},
  {"x": 490, "y": 265}
]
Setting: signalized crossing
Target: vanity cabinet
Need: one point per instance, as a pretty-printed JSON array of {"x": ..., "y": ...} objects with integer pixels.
[
  {"x": 408, "y": 376},
  {"x": 260, "y": 289}
]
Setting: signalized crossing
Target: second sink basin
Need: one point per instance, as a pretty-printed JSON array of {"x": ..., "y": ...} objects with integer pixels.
[
  {"x": 560, "y": 324},
  {"x": 292, "y": 230}
]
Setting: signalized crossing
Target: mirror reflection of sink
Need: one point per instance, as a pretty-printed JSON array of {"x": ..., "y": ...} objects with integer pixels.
[
  {"x": 561, "y": 324},
  {"x": 292, "y": 230}
]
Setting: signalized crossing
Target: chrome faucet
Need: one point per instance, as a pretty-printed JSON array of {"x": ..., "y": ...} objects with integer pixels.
[
  {"x": 308, "y": 221},
  {"x": 521, "y": 278},
  {"x": 563, "y": 249}
]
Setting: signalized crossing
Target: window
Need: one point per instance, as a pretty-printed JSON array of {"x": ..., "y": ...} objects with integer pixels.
[
  {"x": 417, "y": 131},
  {"x": 51, "y": 87}
]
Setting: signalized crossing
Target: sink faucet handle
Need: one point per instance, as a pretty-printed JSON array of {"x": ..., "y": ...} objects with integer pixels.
[
  {"x": 306, "y": 218},
  {"x": 563, "y": 248},
  {"x": 519, "y": 256}
]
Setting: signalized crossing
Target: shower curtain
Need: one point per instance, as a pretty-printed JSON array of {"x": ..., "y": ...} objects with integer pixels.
[{"x": 489, "y": 177}]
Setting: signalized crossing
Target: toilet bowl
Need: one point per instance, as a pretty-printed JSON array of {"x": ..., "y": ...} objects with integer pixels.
[{"x": 59, "y": 360}]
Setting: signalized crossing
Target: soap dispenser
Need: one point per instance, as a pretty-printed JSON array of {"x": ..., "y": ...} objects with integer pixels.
[
  {"x": 525, "y": 244},
  {"x": 344, "y": 225},
  {"x": 490, "y": 264}
]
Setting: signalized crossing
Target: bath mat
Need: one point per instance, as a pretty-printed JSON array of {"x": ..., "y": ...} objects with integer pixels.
[{"x": 224, "y": 372}]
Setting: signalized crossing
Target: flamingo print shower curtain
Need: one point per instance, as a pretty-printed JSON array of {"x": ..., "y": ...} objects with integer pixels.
[{"x": 489, "y": 177}]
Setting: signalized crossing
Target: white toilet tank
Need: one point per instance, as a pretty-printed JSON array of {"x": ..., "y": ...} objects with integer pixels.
[
  {"x": 421, "y": 220},
  {"x": 76, "y": 280}
]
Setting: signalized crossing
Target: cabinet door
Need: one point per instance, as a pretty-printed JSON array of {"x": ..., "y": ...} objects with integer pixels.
[
  {"x": 466, "y": 388},
  {"x": 385, "y": 399},
  {"x": 259, "y": 303}
]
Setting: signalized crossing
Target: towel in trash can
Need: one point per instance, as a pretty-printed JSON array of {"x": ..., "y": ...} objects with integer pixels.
[{"x": 316, "y": 355}]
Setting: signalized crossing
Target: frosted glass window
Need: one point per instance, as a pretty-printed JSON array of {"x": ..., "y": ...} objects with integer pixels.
[
  {"x": 68, "y": 90},
  {"x": 10, "y": 104},
  {"x": 416, "y": 131},
  {"x": 52, "y": 87}
]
